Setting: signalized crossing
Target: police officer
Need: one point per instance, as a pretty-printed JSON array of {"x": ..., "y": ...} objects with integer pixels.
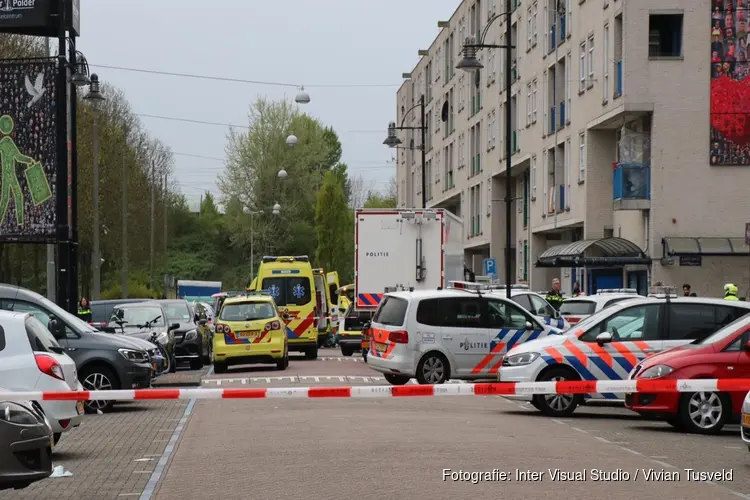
[
  {"x": 84, "y": 310},
  {"x": 730, "y": 292},
  {"x": 554, "y": 297}
]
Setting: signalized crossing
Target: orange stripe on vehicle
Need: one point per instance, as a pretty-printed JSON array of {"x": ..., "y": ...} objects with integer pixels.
[
  {"x": 643, "y": 346},
  {"x": 380, "y": 335},
  {"x": 262, "y": 336},
  {"x": 556, "y": 355},
  {"x": 389, "y": 350},
  {"x": 488, "y": 358},
  {"x": 575, "y": 351},
  {"x": 603, "y": 354},
  {"x": 497, "y": 365},
  {"x": 626, "y": 353},
  {"x": 579, "y": 334}
]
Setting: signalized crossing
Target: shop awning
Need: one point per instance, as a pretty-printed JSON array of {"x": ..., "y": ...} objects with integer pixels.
[
  {"x": 706, "y": 247},
  {"x": 601, "y": 253}
]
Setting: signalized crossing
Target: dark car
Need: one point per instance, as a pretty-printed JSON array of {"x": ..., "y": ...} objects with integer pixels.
[
  {"x": 101, "y": 310},
  {"x": 25, "y": 445},
  {"x": 147, "y": 321},
  {"x": 104, "y": 361},
  {"x": 193, "y": 342}
]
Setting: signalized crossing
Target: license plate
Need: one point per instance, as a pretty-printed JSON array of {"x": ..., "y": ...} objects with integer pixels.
[
  {"x": 380, "y": 347},
  {"x": 79, "y": 407},
  {"x": 746, "y": 419},
  {"x": 251, "y": 334}
]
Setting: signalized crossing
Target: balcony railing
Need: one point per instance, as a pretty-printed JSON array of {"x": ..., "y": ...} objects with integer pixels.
[
  {"x": 552, "y": 120},
  {"x": 562, "y": 28},
  {"x": 631, "y": 181},
  {"x": 552, "y": 38},
  {"x": 562, "y": 115},
  {"x": 618, "y": 78}
]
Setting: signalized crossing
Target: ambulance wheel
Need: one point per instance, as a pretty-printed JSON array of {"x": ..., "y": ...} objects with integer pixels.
[
  {"x": 311, "y": 353},
  {"x": 396, "y": 379},
  {"x": 433, "y": 368},
  {"x": 283, "y": 363},
  {"x": 347, "y": 351},
  {"x": 220, "y": 367},
  {"x": 557, "y": 405}
]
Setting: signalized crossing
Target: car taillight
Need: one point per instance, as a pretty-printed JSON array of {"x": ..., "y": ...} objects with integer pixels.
[
  {"x": 399, "y": 337},
  {"x": 273, "y": 325},
  {"x": 48, "y": 365},
  {"x": 222, "y": 328}
]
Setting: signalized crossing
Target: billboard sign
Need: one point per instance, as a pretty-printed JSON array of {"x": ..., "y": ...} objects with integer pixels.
[
  {"x": 28, "y": 151},
  {"x": 28, "y": 17}
]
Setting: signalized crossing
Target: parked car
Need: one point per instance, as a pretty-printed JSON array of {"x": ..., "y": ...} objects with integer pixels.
[
  {"x": 193, "y": 342},
  {"x": 32, "y": 360},
  {"x": 25, "y": 445},
  {"x": 204, "y": 310},
  {"x": 723, "y": 355},
  {"x": 350, "y": 330},
  {"x": 576, "y": 309},
  {"x": 533, "y": 302},
  {"x": 103, "y": 361},
  {"x": 101, "y": 310},
  {"x": 147, "y": 321}
]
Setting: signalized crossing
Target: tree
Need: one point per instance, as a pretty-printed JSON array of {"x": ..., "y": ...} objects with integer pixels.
[
  {"x": 332, "y": 222},
  {"x": 387, "y": 199}
]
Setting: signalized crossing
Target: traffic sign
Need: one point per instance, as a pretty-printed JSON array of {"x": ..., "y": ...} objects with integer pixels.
[{"x": 490, "y": 267}]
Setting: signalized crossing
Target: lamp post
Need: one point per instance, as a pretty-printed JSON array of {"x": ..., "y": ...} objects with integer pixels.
[
  {"x": 95, "y": 96},
  {"x": 470, "y": 63},
  {"x": 392, "y": 141}
]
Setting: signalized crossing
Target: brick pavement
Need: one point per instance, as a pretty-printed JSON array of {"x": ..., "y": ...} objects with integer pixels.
[
  {"x": 183, "y": 377},
  {"x": 101, "y": 453}
]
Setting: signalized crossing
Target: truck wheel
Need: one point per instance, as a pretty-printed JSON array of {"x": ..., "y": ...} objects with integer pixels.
[
  {"x": 311, "y": 353},
  {"x": 396, "y": 379},
  {"x": 557, "y": 405}
]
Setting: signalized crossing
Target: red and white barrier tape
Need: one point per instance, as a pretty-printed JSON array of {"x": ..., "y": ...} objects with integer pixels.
[{"x": 479, "y": 389}]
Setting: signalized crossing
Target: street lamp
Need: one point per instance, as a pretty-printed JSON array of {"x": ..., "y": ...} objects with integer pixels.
[
  {"x": 470, "y": 63},
  {"x": 95, "y": 96},
  {"x": 302, "y": 97},
  {"x": 292, "y": 140},
  {"x": 80, "y": 68},
  {"x": 392, "y": 141},
  {"x": 282, "y": 174}
]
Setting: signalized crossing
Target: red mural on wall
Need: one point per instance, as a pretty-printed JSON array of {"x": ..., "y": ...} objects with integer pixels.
[{"x": 730, "y": 83}]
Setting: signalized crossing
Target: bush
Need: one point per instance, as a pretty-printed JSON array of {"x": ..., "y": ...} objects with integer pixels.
[{"x": 135, "y": 291}]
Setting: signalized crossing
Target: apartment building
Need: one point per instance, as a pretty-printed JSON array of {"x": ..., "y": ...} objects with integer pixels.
[{"x": 619, "y": 178}]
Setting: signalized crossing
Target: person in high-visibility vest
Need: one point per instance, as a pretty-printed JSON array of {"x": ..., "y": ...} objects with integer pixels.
[
  {"x": 730, "y": 292},
  {"x": 84, "y": 310}
]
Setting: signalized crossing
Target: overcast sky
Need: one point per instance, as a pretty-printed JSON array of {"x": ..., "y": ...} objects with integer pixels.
[{"x": 309, "y": 42}]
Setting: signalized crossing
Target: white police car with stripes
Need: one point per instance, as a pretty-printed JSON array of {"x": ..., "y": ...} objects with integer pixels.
[
  {"x": 609, "y": 344},
  {"x": 461, "y": 332},
  {"x": 533, "y": 302}
]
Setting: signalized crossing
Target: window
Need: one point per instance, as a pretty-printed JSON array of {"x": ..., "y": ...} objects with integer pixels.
[
  {"x": 24, "y": 307},
  {"x": 735, "y": 346},
  {"x": 534, "y": 26},
  {"x": 582, "y": 157},
  {"x": 528, "y": 104},
  {"x": 248, "y": 311},
  {"x": 577, "y": 308},
  {"x": 523, "y": 301},
  {"x": 568, "y": 85},
  {"x": 726, "y": 315},
  {"x": 506, "y": 315},
  {"x": 533, "y": 101},
  {"x": 533, "y": 177},
  {"x": 137, "y": 317},
  {"x": 582, "y": 67},
  {"x": 605, "y": 63},
  {"x": 566, "y": 173},
  {"x": 691, "y": 321},
  {"x": 391, "y": 312},
  {"x": 590, "y": 61},
  {"x": 285, "y": 291},
  {"x": 529, "y": 28},
  {"x": 615, "y": 301},
  {"x": 541, "y": 307},
  {"x": 461, "y": 312},
  {"x": 665, "y": 35},
  {"x": 633, "y": 323},
  {"x": 40, "y": 339}
]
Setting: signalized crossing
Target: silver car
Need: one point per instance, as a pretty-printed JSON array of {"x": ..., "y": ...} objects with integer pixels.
[{"x": 25, "y": 445}]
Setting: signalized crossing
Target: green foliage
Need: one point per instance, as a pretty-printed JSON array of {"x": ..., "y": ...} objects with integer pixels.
[
  {"x": 378, "y": 200},
  {"x": 135, "y": 291},
  {"x": 332, "y": 224}
]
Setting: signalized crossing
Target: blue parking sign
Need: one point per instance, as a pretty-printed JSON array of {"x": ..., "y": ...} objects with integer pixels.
[{"x": 490, "y": 267}]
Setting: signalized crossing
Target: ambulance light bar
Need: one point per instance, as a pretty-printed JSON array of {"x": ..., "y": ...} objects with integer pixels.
[
  {"x": 617, "y": 290},
  {"x": 662, "y": 291},
  {"x": 297, "y": 258},
  {"x": 519, "y": 286}
]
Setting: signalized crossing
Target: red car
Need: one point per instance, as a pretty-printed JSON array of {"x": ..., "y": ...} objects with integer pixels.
[{"x": 723, "y": 355}]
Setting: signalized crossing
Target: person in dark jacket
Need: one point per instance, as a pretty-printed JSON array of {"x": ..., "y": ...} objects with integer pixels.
[
  {"x": 84, "y": 310},
  {"x": 554, "y": 297},
  {"x": 576, "y": 289}
]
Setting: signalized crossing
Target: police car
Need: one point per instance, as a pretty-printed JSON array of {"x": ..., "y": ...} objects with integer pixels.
[
  {"x": 576, "y": 309},
  {"x": 461, "y": 332},
  {"x": 533, "y": 302},
  {"x": 609, "y": 344}
]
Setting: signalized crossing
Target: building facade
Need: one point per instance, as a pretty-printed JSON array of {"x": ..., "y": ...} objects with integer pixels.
[{"x": 625, "y": 169}]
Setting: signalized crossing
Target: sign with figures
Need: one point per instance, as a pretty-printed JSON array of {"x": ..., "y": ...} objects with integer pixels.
[{"x": 28, "y": 151}]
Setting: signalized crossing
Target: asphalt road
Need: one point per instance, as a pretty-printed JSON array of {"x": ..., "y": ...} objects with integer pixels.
[{"x": 378, "y": 449}]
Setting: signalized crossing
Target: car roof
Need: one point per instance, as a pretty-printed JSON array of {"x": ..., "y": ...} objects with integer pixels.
[
  {"x": 149, "y": 303},
  {"x": 437, "y": 294},
  {"x": 117, "y": 301},
  {"x": 603, "y": 297},
  {"x": 248, "y": 298}
]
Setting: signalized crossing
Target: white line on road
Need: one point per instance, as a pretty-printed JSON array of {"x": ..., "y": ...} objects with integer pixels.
[
  {"x": 599, "y": 438},
  {"x": 658, "y": 457},
  {"x": 578, "y": 430},
  {"x": 143, "y": 460}
]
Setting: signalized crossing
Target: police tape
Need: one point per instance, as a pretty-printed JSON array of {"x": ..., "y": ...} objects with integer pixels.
[{"x": 463, "y": 389}]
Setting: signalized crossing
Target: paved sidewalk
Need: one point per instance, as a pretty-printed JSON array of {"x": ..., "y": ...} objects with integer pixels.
[
  {"x": 111, "y": 456},
  {"x": 183, "y": 377}
]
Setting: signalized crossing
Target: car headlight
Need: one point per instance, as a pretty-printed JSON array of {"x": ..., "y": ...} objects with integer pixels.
[
  {"x": 133, "y": 355},
  {"x": 525, "y": 358},
  {"x": 657, "y": 371},
  {"x": 17, "y": 414},
  {"x": 163, "y": 338},
  {"x": 191, "y": 335}
]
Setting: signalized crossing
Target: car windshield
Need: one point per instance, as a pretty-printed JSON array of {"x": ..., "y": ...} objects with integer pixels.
[
  {"x": 595, "y": 319},
  {"x": 577, "y": 307},
  {"x": 289, "y": 291},
  {"x": 137, "y": 317},
  {"x": 247, "y": 311},
  {"x": 177, "y": 312},
  {"x": 727, "y": 331}
]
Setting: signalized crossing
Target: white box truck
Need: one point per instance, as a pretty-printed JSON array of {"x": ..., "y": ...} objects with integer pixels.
[{"x": 401, "y": 249}]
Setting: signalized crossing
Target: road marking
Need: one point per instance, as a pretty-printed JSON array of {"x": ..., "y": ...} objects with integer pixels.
[
  {"x": 578, "y": 430},
  {"x": 619, "y": 443},
  {"x": 143, "y": 460},
  {"x": 129, "y": 494},
  {"x": 153, "y": 481},
  {"x": 630, "y": 451},
  {"x": 733, "y": 447},
  {"x": 340, "y": 358},
  {"x": 658, "y": 457},
  {"x": 599, "y": 438}
]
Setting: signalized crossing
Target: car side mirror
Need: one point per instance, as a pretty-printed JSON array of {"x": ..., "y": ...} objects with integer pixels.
[
  {"x": 56, "y": 328},
  {"x": 604, "y": 338},
  {"x": 556, "y": 314},
  {"x": 174, "y": 326},
  {"x": 529, "y": 325},
  {"x": 285, "y": 316},
  {"x": 202, "y": 322},
  {"x": 746, "y": 347}
]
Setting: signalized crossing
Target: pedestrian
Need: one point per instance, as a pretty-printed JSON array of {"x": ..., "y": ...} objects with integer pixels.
[
  {"x": 730, "y": 292},
  {"x": 554, "y": 297},
  {"x": 576, "y": 289},
  {"x": 686, "y": 290},
  {"x": 84, "y": 310}
]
